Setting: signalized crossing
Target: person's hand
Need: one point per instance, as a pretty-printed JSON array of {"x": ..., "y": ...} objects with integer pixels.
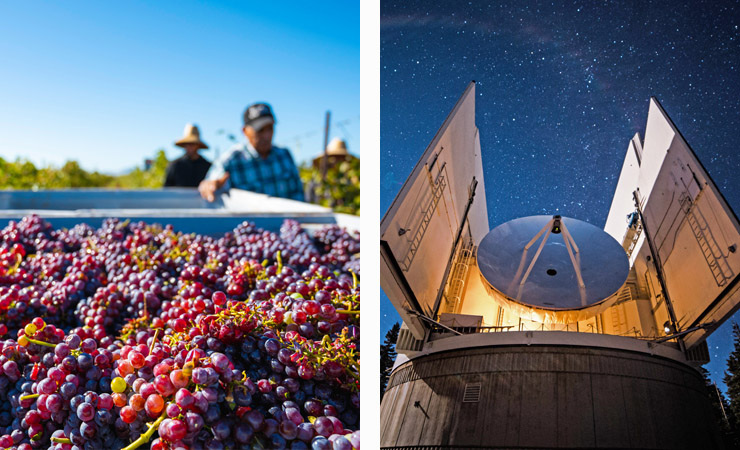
[{"x": 208, "y": 188}]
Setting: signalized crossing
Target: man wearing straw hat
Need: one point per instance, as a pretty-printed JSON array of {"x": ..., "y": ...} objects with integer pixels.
[
  {"x": 256, "y": 165},
  {"x": 190, "y": 169},
  {"x": 336, "y": 152}
]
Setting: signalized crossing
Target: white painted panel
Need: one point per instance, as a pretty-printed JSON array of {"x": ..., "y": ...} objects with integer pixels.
[
  {"x": 622, "y": 203},
  {"x": 420, "y": 226},
  {"x": 658, "y": 137},
  {"x": 693, "y": 229}
]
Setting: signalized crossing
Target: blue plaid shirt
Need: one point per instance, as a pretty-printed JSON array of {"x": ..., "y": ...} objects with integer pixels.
[{"x": 276, "y": 175}]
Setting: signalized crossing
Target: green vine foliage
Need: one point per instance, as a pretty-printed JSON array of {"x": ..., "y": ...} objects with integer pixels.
[
  {"x": 23, "y": 174},
  {"x": 151, "y": 178},
  {"x": 341, "y": 191}
]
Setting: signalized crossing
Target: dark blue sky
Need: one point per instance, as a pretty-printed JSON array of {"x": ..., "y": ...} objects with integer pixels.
[{"x": 561, "y": 90}]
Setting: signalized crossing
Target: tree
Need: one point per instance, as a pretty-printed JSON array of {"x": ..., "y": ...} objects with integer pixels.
[
  {"x": 732, "y": 380},
  {"x": 732, "y": 374},
  {"x": 723, "y": 415},
  {"x": 388, "y": 356}
]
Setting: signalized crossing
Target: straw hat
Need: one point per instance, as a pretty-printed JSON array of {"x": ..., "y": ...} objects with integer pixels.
[
  {"x": 191, "y": 135},
  {"x": 336, "y": 152},
  {"x": 337, "y": 147}
]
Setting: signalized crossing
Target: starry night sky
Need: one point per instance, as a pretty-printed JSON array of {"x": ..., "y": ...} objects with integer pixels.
[{"x": 561, "y": 89}]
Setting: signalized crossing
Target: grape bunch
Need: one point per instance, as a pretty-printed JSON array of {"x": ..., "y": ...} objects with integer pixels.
[{"x": 136, "y": 336}]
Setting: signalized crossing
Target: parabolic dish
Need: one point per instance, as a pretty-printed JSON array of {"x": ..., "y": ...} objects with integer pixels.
[{"x": 552, "y": 282}]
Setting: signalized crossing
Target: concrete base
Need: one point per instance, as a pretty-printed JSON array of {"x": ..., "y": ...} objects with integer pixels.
[{"x": 546, "y": 396}]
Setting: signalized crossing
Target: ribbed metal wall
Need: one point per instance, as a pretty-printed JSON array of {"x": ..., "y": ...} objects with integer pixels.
[{"x": 547, "y": 397}]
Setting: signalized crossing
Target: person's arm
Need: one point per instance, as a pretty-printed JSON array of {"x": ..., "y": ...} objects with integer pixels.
[
  {"x": 216, "y": 178},
  {"x": 208, "y": 188}
]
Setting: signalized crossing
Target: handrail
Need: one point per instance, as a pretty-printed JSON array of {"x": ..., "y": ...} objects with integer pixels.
[{"x": 472, "y": 329}]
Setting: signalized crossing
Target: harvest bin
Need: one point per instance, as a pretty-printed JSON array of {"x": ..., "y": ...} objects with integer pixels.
[{"x": 183, "y": 208}]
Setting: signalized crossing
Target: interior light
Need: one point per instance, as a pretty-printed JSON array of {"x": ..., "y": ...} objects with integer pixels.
[{"x": 668, "y": 327}]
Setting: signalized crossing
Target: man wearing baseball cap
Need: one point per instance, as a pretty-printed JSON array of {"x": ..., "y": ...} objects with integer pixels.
[{"x": 257, "y": 165}]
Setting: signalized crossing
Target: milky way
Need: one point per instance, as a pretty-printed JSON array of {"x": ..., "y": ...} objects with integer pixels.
[{"x": 560, "y": 91}]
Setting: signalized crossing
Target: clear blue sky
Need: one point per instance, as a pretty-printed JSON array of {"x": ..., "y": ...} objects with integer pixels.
[{"x": 109, "y": 83}]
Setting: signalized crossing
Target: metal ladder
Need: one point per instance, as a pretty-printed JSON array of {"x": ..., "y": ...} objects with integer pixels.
[
  {"x": 456, "y": 283},
  {"x": 625, "y": 295},
  {"x": 615, "y": 319},
  {"x": 716, "y": 261},
  {"x": 427, "y": 214}
]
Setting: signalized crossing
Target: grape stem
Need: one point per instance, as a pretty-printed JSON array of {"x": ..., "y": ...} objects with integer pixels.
[
  {"x": 59, "y": 440},
  {"x": 354, "y": 279},
  {"x": 347, "y": 311},
  {"x": 41, "y": 342},
  {"x": 144, "y": 438},
  {"x": 17, "y": 264},
  {"x": 156, "y": 333},
  {"x": 29, "y": 396},
  {"x": 92, "y": 245}
]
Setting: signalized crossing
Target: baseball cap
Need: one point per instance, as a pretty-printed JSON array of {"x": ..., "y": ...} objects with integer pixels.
[{"x": 258, "y": 115}]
